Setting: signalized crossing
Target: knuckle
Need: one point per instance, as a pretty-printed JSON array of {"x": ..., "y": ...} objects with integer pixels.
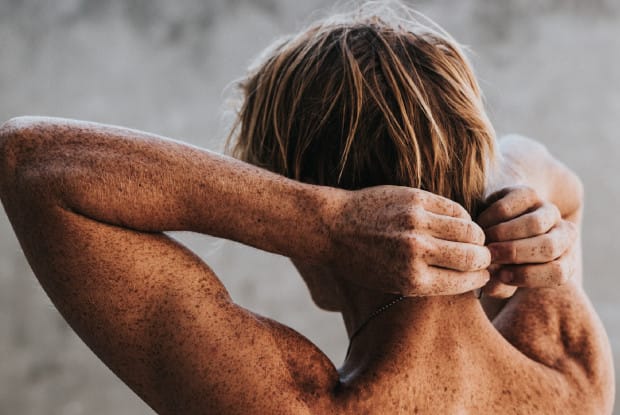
[
  {"x": 472, "y": 261},
  {"x": 479, "y": 258},
  {"x": 510, "y": 252},
  {"x": 548, "y": 247},
  {"x": 409, "y": 219},
  {"x": 503, "y": 209},
  {"x": 526, "y": 193},
  {"x": 522, "y": 276},
  {"x": 479, "y": 262},
  {"x": 485, "y": 276},
  {"x": 459, "y": 211},
  {"x": 477, "y": 234},
  {"x": 499, "y": 232},
  {"x": 418, "y": 282},
  {"x": 536, "y": 225},
  {"x": 418, "y": 244},
  {"x": 555, "y": 211},
  {"x": 416, "y": 216},
  {"x": 486, "y": 261},
  {"x": 423, "y": 281},
  {"x": 470, "y": 232},
  {"x": 413, "y": 274},
  {"x": 558, "y": 272},
  {"x": 531, "y": 194},
  {"x": 417, "y": 197},
  {"x": 557, "y": 249},
  {"x": 494, "y": 234},
  {"x": 468, "y": 259},
  {"x": 498, "y": 252}
]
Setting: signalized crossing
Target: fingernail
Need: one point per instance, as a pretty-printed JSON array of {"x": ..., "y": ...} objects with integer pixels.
[{"x": 506, "y": 276}]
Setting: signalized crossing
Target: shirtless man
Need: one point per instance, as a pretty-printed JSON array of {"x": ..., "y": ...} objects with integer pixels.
[{"x": 90, "y": 204}]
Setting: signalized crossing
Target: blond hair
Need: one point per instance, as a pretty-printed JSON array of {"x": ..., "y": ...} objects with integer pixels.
[{"x": 368, "y": 98}]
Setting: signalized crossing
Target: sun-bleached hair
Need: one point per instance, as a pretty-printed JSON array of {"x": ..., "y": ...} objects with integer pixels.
[{"x": 368, "y": 98}]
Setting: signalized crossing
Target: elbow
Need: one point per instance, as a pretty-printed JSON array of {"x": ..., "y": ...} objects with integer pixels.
[
  {"x": 7, "y": 130},
  {"x": 17, "y": 139},
  {"x": 16, "y": 125},
  {"x": 21, "y": 133},
  {"x": 9, "y": 134}
]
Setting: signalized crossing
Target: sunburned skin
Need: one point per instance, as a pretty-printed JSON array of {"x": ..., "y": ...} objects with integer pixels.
[{"x": 89, "y": 204}]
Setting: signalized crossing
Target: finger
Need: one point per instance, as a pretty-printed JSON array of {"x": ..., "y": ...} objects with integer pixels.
[
  {"x": 458, "y": 256},
  {"x": 536, "y": 250},
  {"x": 497, "y": 289},
  {"x": 494, "y": 197},
  {"x": 441, "y": 281},
  {"x": 453, "y": 229},
  {"x": 528, "y": 225},
  {"x": 517, "y": 200},
  {"x": 551, "y": 274},
  {"x": 441, "y": 205}
]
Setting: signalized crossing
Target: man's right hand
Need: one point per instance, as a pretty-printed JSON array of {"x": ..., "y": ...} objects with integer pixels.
[{"x": 408, "y": 241}]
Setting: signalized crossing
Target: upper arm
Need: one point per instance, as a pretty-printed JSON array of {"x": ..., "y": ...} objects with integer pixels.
[{"x": 159, "y": 317}]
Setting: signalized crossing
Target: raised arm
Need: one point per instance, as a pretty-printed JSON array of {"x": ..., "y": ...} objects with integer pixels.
[
  {"x": 533, "y": 233},
  {"x": 89, "y": 204},
  {"x": 148, "y": 183}
]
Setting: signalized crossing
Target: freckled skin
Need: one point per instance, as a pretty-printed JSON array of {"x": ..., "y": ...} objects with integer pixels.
[{"x": 89, "y": 204}]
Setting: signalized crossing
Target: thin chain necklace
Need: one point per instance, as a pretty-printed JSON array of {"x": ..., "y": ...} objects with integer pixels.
[{"x": 373, "y": 315}]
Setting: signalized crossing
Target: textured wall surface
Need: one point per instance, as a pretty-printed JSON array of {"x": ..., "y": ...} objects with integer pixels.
[{"x": 550, "y": 69}]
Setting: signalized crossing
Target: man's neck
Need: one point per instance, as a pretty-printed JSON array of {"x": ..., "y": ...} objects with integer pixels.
[{"x": 411, "y": 328}]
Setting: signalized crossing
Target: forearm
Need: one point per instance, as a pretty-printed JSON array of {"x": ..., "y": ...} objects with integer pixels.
[{"x": 147, "y": 183}]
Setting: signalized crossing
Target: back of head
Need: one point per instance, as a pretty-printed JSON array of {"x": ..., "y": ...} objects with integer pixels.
[{"x": 368, "y": 98}]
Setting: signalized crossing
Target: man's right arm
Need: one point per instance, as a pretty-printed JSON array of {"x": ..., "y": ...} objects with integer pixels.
[{"x": 556, "y": 327}]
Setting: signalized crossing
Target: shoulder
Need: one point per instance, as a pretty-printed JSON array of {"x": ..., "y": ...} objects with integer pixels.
[
  {"x": 313, "y": 373},
  {"x": 559, "y": 329}
]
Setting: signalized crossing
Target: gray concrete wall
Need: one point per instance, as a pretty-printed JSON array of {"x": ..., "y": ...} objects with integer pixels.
[{"x": 550, "y": 70}]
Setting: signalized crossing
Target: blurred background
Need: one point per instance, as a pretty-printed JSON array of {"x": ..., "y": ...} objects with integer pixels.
[{"x": 550, "y": 69}]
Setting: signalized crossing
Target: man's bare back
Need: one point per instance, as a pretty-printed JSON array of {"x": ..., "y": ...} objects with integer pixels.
[{"x": 89, "y": 204}]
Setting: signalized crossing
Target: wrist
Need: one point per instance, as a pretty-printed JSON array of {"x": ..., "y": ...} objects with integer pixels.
[{"x": 327, "y": 205}]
